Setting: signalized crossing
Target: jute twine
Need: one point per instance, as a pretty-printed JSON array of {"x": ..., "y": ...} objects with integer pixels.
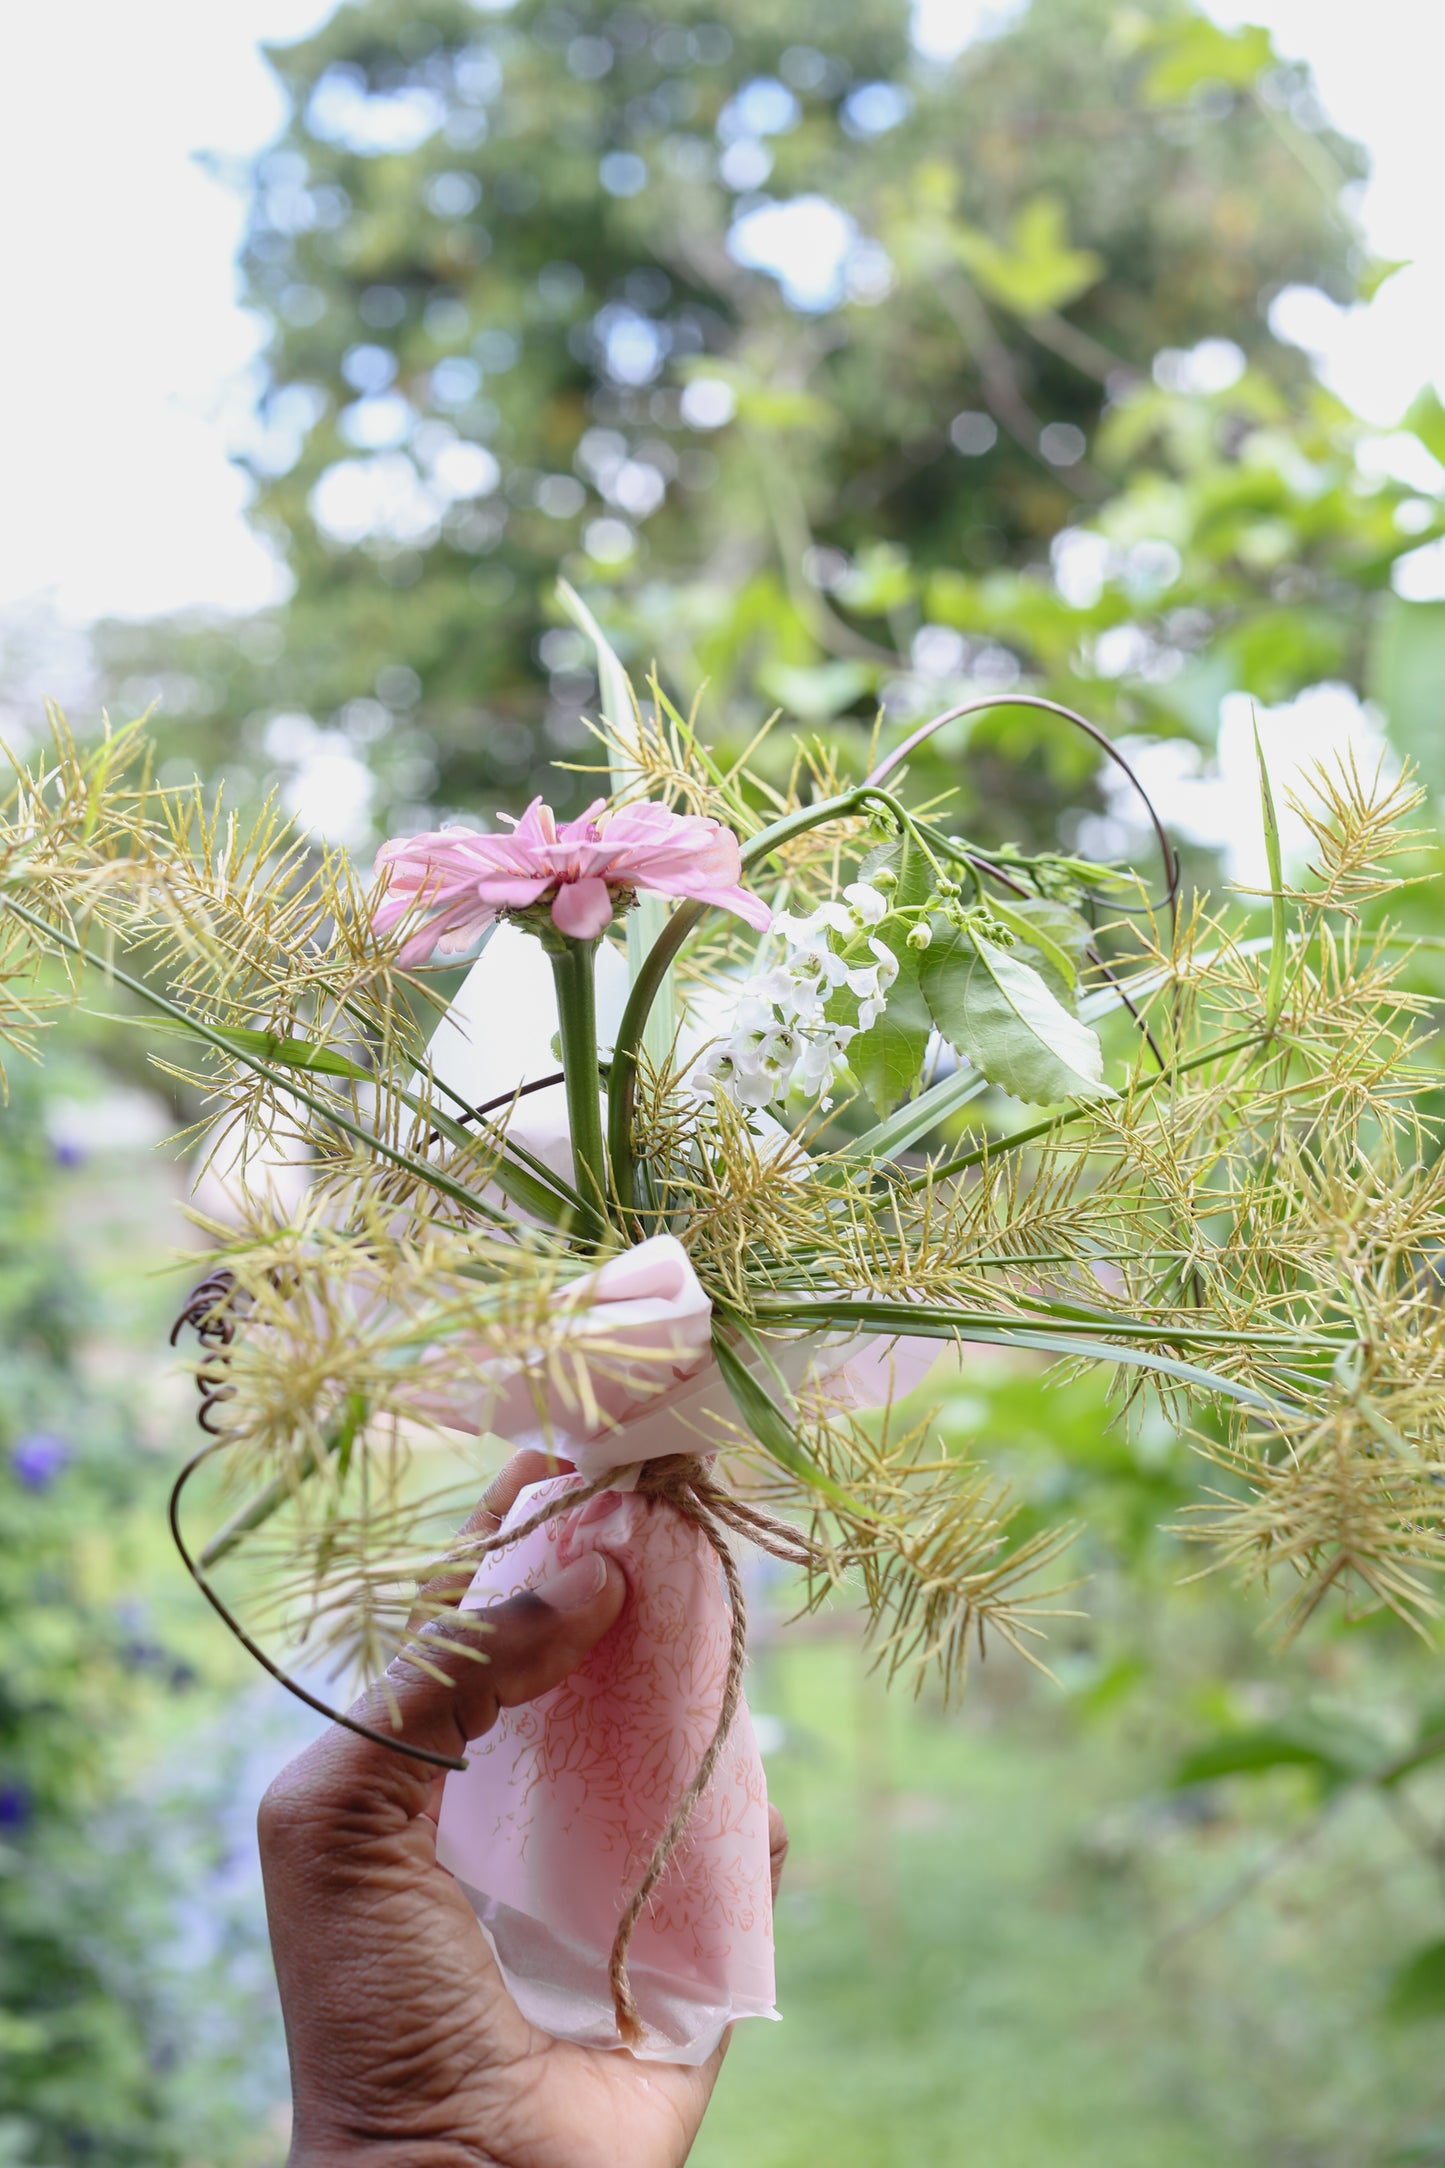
[
  {"x": 682, "y": 1481},
  {"x": 679, "y": 1480}
]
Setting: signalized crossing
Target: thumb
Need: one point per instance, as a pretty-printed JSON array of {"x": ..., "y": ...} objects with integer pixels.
[{"x": 447, "y": 1686}]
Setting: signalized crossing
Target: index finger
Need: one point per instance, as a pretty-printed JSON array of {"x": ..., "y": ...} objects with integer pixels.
[
  {"x": 449, "y": 1690},
  {"x": 443, "y": 1588}
]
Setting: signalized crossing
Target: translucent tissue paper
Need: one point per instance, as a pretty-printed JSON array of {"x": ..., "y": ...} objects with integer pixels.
[{"x": 551, "y": 1827}]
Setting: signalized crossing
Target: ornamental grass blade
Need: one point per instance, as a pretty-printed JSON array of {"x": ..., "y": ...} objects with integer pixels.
[
  {"x": 771, "y": 1426},
  {"x": 886, "y": 1139},
  {"x": 1274, "y": 986},
  {"x": 621, "y": 723},
  {"x": 270, "y": 1046}
]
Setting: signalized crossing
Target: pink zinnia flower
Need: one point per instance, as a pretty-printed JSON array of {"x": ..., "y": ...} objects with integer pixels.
[{"x": 581, "y": 868}]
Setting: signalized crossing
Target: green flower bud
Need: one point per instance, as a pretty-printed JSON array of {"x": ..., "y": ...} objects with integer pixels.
[
  {"x": 921, "y": 936},
  {"x": 989, "y": 928},
  {"x": 885, "y": 878}
]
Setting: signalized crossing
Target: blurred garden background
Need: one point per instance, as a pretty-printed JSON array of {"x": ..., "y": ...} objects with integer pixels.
[{"x": 852, "y": 359}]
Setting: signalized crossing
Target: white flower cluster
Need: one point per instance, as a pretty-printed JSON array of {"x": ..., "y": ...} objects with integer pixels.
[{"x": 782, "y": 1040}]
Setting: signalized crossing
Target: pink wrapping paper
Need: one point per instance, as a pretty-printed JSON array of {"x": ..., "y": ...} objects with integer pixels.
[
  {"x": 644, "y": 1383},
  {"x": 550, "y": 1828}
]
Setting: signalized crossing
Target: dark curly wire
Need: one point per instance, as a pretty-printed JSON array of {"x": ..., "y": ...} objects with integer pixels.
[
  {"x": 1106, "y": 745},
  {"x": 1172, "y": 870},
  {"x": 211, "y": 1310}
]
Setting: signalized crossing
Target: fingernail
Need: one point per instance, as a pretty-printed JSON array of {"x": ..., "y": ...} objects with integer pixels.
[{"x": 575, "y": 1585}]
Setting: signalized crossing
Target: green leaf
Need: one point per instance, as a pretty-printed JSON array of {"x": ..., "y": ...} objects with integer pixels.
[
  {"x": 1425, "y": 419},
  {"x": 1417, "y": 1989},
  {"x": 1407, "y": 677},
  {"x": 1256, "y": 1752},
  {"x": 880, "y": 579},
  {"x": 888, "y": 1057},
  {"x": 1377, "y": 270},
  {"x": 815, "y": 692},
  {"x": 1037, "y": 272},
  {"x": 1051, "y": 937},
  {"x": 1194, "y": 52},
  {"x": 999, "y": 1013},
  {"x": 1429, "y": 1746}
]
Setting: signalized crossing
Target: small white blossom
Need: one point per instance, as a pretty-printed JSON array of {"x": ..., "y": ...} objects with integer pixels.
[
  {"x": 753, "y": 1089},
  {"x": 863, "y": 981},
  {"x": 869, "y": 905},
  {"x": 808, "y": 1003},
  {"x": 812, "y": 932},
  {"x": 782, "y": 1036},
  {"x": 822, "y": 1060},
  {"x": 887, "y": 964},
  {"x": 715, "y": 1070}
]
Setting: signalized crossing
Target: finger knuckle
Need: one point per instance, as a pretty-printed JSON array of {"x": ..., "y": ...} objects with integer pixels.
[{"x": 280, "y": 1814}]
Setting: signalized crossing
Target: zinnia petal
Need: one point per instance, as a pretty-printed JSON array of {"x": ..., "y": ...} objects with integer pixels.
[
  {"x": 511, "y": 891},
  {"x": 749, "y": 908},
  {"x": 581, "y": 909}
]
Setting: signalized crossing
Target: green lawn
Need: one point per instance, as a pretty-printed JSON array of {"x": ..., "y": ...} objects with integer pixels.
[{"x": 967, "y": 1961}]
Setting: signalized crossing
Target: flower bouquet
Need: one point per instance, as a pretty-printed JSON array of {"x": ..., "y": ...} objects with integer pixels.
[{"x": 717, "y": 1143}]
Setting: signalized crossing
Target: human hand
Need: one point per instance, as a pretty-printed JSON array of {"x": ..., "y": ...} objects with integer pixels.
[{"x": 406, "y": 2049}]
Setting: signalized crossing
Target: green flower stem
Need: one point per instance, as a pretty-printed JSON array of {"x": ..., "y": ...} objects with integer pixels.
[
  {"x": 286, "y": 1082},
  {"x": 623, "y": 727},
  {"x": 622, "y": 1084},
  {"x": 573, "y": 974}
]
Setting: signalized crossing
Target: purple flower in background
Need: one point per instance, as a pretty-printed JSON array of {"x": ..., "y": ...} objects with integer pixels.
[
  {"x": 14, "y": 1807},
  {"x": 38, "y": 1458},
  {"x": 68, "y": 1152}
]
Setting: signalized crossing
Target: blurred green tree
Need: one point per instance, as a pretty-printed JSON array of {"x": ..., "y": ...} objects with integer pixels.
[{"x": 854, "y": 377}]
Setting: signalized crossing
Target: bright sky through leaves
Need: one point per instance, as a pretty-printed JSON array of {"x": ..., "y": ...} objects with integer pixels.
[
  {"x": 132, "y": 378},
  {"x": 130, "y": 381}
]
